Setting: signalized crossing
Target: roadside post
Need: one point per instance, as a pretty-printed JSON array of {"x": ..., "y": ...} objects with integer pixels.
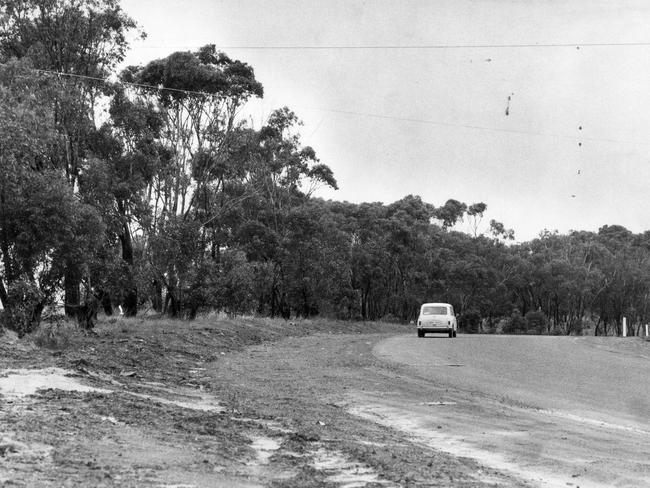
[
  {"x": 2, "y": 283},
  {"x": 624, "y": 327},
  {"x": 646, "y": 330}
]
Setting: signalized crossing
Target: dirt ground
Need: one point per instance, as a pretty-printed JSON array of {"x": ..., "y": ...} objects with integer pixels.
[{"x": 146, "y": 403}]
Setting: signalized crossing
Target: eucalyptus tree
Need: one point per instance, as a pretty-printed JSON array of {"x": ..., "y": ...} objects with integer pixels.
[
  {"x": 450, "y": 213},
  {"x": 279, "y": 176},
  {"x": 624, "y": 287},
  {"x": 128, "y": 155},
  {"x": 224, "y": 179},
  {"x": 76, "y": 43},
  {"x": 43, "y": 225},
  {"x": 475, "y": 215},
  {"x": 198, "y": 96}
]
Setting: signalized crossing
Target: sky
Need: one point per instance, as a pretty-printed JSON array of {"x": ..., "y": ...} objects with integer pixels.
[{"x": 410, "y": 97}]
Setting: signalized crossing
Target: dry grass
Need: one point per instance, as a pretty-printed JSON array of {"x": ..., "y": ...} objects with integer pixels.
[{"x": 56, "y": 335}]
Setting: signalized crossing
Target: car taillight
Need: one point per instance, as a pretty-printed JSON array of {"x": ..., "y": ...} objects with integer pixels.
[
  {"x": 419, "y": 322},
  {"x": 448, "y": 322}
]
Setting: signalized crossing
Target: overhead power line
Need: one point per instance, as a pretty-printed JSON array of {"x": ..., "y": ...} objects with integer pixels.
[
  {"x": 478, "y": 127},
  {"x": 577, "y": 45},
  {"x": 361, "y": 114},
  {"x": 128, "y": 83}
]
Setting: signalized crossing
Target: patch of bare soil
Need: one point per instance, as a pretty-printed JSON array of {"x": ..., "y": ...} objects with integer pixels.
[
  {"x": 309, "y": 384},
  {"x": 205, "y": 404}
]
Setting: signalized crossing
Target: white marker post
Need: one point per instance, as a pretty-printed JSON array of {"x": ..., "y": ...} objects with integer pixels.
[
  {"x": 646, "y": 330},
  {"x": 624, "y": 327}
]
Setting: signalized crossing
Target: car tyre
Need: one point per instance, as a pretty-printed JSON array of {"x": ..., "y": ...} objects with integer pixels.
[
  {"x": 454, "y": 333},
  {"x": 451, "y": 334},
  {"x": 420, "y": 333}
]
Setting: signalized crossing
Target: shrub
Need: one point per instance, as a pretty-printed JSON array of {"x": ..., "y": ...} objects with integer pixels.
[
  {"x": 536, "y": 322},
  {"x": 578, "y": 328},
  {"x": 235, "y": 286},
  {"x": 516, "y": 324},
  {"x": 54, "y": 335},
  {"x": 502, "y": 326},
  {"x": 389, "y": 318},
  {"x": 23, "y": 314},
  {"x": 490, "y": 326},
  {"x": 470, "y": 321}
]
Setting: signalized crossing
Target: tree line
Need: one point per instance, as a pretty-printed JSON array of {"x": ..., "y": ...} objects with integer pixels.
[{"x": 151, "y": 191}]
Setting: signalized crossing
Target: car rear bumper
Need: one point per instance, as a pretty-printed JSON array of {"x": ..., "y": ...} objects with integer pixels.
[{"x": 431, "y": 329}]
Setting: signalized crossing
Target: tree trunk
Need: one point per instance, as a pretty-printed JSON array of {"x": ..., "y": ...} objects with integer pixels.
[
  {"x": 156, "y": 299},
  {"x": 130, "y": 301},
  {"x": 306, "y": 309},
  {"x": 87, "y": 313},
  {"x": 274, "y": 297},
  {"x": 72, "y": 297},
  {"x": 285, "y": 309},
  {"x": 4, "y": 247},
  {"x": 107, "y": 304},
  {"x": 4, "y": 299},
  {"x": 172, "y": 304},
  {"x": 37, "y": 313},
  {"x": 131, "y": 292}
]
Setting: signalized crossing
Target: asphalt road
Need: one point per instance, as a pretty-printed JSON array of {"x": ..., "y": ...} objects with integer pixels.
[
  {"x": 604, "y": 378},
  {"x": 551, "y": 411}
]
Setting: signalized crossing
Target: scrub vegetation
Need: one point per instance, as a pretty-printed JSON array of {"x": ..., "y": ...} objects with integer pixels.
[{"x": 149, "y": 191}]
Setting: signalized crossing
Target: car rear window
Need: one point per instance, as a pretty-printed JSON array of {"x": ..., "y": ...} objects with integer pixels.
[{"x": 434, "y": 310}]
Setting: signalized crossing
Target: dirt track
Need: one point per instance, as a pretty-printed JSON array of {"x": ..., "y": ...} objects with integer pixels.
[{"x": 179, "y": 408}]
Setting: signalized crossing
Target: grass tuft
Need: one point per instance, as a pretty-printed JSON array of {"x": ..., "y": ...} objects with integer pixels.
[{"x": 56, "y": 335}]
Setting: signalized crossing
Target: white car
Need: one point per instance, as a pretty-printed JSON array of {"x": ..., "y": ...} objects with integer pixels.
[{"x": 437, "y": 317}]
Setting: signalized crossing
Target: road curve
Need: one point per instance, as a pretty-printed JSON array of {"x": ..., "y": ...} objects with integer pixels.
[
  {"x": 550, "y": 411},
  {"x": 605, "y": 377}
]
